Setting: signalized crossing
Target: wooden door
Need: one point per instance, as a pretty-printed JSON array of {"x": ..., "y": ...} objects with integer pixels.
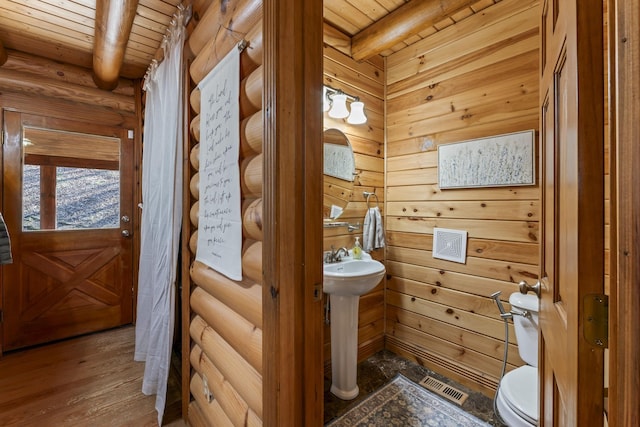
[
  {"x": 572, "y": 182},
  {"x": 67, "y": 201}
]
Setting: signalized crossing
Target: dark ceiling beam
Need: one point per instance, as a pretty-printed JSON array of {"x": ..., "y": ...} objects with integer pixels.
[
  {"x": 407, "y": 20},
  {"x": 114, "y": 19}
]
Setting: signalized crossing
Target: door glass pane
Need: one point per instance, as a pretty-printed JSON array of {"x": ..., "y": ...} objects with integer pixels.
[
  {"x": 31, "y": 197},
  {"x": 87, "y": 198},
  {"x": 70, "y": 180}
]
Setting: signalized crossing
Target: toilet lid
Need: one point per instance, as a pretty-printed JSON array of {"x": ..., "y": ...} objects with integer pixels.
[{"x": 520, "y": 390}]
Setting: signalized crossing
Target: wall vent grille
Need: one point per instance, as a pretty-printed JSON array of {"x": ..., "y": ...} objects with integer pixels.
[
  {"x": 444, "y": 390},
  {"x": 450, "y": 245}
]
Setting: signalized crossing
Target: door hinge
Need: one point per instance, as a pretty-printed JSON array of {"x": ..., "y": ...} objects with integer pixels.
[
  {"x": 1, "y": 316},
  {"x": 595, "y": 311}
]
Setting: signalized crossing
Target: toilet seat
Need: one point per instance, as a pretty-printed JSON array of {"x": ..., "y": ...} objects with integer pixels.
[{"x": 519, "y": 390}]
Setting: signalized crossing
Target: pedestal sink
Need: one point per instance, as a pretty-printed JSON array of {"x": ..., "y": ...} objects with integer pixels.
[{"x": 345, "y": 281}]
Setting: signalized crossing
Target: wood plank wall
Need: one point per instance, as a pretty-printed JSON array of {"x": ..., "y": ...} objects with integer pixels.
[
  {"x": 226, "y": 326},
  {"x": 365, "y": 80},
  {"x": 474, "y": 79}
]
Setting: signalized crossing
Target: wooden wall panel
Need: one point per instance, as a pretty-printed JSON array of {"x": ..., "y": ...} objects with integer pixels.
[
  {"x": 365, "y": 80},
  {"x": 226, "y": 330},
  {"x": 475, "y": 79}
]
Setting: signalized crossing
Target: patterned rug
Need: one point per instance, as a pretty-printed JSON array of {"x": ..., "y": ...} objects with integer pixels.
[{"x": 404, "y": 403}]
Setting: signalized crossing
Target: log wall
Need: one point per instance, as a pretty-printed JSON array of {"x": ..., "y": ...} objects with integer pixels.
[
  {"x": 226, "y": 326},
  {"x": 475, "y": 79},
  {"x": 365, "y": 80},
  {"x": 30, "y": 77}
]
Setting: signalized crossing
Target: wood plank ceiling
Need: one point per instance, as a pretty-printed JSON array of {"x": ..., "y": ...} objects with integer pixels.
[{"x": 63, "y": 30}]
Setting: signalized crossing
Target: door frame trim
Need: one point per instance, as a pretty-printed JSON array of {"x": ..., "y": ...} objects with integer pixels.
[{"x": 292, "y": 214}]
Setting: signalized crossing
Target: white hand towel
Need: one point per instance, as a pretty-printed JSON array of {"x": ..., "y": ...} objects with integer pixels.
[
  {"x": 5, "y": 243},
  {"x": 372, "y": 233}
]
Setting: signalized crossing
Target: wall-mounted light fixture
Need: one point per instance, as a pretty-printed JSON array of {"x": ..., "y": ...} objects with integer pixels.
[{"x": 335, "y": 102}]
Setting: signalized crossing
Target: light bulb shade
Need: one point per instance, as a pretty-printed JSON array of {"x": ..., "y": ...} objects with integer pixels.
[
  {"x": 339, "y": 107},
  {"x": 326, "y": 104},
  {"x": 357, "y": 116}
]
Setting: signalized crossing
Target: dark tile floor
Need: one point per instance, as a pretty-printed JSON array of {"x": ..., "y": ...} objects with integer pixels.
[{"x": 380, "y": 368}]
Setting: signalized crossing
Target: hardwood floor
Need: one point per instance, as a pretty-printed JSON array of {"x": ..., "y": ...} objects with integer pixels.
[{"x": 90, "y": 380}]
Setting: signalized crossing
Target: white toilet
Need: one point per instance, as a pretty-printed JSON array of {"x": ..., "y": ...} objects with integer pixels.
[{"x": 517, "y": 399}]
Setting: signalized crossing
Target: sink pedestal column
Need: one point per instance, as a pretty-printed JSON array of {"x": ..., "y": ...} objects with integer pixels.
[{"x": 344, "y": 346}]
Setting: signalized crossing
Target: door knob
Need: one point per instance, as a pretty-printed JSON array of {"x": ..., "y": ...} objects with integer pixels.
[
  {"x": 125, "y": 233},
  {"x": 525, "y": 288},
  {"x": 124, "y": 218}
]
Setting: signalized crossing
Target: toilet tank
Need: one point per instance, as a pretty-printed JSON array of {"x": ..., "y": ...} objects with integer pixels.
[{"x": 526, "y": 327}]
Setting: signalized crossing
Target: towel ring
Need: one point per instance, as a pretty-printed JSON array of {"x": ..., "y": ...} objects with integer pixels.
[{"x": 368, "y": 194}]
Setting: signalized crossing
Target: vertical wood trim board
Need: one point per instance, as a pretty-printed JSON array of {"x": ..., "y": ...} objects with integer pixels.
[
  {"x": 489, "y": 87},
  {"x": 624, "y": 318},
  {"x": 292, "y": 213}
]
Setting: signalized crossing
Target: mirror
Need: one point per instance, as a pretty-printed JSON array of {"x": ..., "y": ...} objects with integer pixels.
[{"x": 339, "y": 173}]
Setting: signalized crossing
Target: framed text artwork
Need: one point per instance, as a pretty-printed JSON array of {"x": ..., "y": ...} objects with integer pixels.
[{"x": 496, "y": 161}]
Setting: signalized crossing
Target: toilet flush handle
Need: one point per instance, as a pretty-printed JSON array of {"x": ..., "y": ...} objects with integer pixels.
[{"x": 525, "y": 288}]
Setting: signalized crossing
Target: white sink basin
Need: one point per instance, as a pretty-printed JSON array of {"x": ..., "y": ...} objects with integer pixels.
[
  {"x": 345, "y": 281},
  {"x": 352, "y": 276}
]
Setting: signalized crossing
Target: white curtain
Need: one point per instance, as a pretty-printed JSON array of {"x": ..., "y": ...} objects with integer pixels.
[{"x": 161, "y": 215}]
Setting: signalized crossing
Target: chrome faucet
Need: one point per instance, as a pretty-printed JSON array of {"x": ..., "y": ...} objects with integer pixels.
[{"x": 335, "y": 255}]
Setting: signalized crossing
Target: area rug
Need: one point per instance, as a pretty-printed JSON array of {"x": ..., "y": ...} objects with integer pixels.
[{"x": 404, "y": 403}]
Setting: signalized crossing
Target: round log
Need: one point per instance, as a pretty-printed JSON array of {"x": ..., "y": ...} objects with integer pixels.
[
  {"x": 194, "y": 185},
  {"x": 251, "y": 57},
  {"x": 114, "y": 19},
  {"x": 240, "y": 374},
  {"x": 251, "y": 170},
  {"x": 251, "y": 135},
  {"x": 212, "y": 410},
  {"x": 244, "y": 297},
  {"x": 239, "y": 333},
  {"x": 252, "y": 260},
  {"x": 251, "y": 93},
  {"x": 196, "y": 415},
  {"x": 194, "y": 100},
  {"x": 252, "y": 219},
  {"x": 193, "y": 214},
  {"x": 410, "y": 18},
  {"x": 193, "y": 242},
  {"x": 253, "y": 419},
  {"x": 63, "y": 73},
  {"x": 194, "y": 157},
  {"x": 37, "y": 86},
  {"x": 210, "y": 43},
  {"x": 229, "y": 399},
  {"x": 200, "y": 8},
  {"x": 195, "y": 128}
]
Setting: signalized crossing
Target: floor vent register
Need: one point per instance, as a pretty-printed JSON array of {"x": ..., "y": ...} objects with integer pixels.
[{"x": 444, "y": 390}]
